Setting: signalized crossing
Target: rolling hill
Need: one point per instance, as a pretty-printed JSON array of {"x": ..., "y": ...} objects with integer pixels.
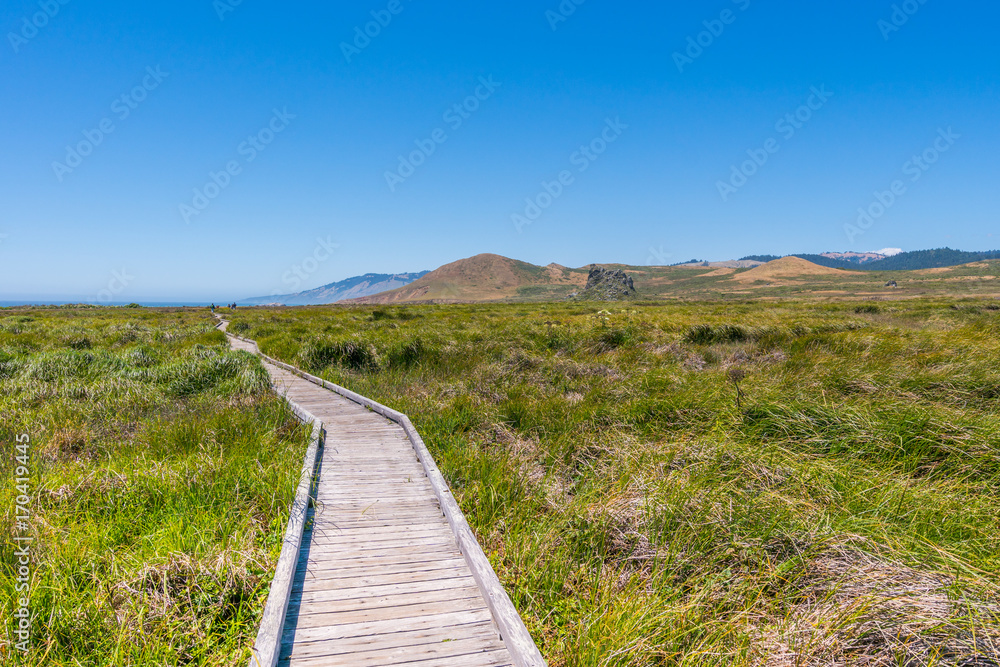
[
  {"x": 788, "y": 268},
  {"x": 484, "y": 278}
]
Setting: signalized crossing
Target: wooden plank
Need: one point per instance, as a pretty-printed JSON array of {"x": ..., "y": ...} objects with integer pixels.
[
  {"x": 373, "y": 519},
  {"x": 370, "y": 628},
  {"x": 392, "y": 613},
  {"x": 395, "y": 504},
  {"x": 438, "y": 573},
  {"x": 362, "y": 546},
  {"x": 431, "y": 554},
  {"x": 373, "y": 512},
  {"x": 316, "y": 574},
  {"x": 386, "y": 602},
  {"x": 348, "y": 489},
  {"x": 466, "y": 648},
  {"x": 341, "y": 514},
  {"x": 481, "y": 629},
  {"x": 382, "y": 537},
  {"x": 372, "y": 592},
  {"x": 440, "y": 546},
  {"x": 368, "y": 532}
]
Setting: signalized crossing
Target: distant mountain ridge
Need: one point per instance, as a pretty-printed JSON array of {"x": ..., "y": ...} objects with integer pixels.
[
  {"x": 493, "y": 278},
  {"x": 351, "y": 288},
  {"x": 915, "y": 260},
  {"x": 855, "y": 257}
]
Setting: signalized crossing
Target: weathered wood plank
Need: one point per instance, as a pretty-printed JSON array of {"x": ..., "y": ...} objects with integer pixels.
[
  {"x": 372, "y": 628},
  {"x": 363, "y": 549},
  {"x": 466, "y": 648},
  {"x": 373, "y": 592},
  {"x": 481, "y": 629},
  {"x": 391, "y": 613},
  {"x": 431, "y": 554},
  {"x": 346, "y": 583},
  {"x": 385, "y": 602}
]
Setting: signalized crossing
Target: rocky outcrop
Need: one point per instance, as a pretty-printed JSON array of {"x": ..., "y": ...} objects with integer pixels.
[{"x": 607, "y": 285}]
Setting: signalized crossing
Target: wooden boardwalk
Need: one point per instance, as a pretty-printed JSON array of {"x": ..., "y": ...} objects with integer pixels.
[{"x": 380, "y": 579}]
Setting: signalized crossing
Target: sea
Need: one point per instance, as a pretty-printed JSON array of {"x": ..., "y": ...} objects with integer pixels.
[{"x": 144, "y": 304}]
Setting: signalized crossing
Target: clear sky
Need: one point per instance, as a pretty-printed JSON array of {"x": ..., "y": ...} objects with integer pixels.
[{"x": 302, "y": 119}]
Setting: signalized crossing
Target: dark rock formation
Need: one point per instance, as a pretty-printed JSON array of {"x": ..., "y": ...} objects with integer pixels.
[{"x": 607, "y": 285}]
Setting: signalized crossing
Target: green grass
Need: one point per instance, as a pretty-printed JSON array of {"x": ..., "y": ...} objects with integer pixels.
[
  {"x": 848, "y": 513},
  {"x": 162, "y": 469}
]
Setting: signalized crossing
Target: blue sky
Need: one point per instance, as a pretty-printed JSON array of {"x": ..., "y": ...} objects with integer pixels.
[{"x": 642, "y": 137}]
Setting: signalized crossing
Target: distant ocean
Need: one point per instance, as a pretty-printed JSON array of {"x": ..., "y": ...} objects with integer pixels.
[{"x": 145, "y": 304}]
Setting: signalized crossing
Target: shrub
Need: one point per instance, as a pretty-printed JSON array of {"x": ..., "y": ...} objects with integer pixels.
[
  {"x": 412, "y": 353},
  {"x": 355, "y": 355},
  {"x": 237, "y": 372},
  {"x": 79, "y": 343},
  {"x": 706, "y": 334}
]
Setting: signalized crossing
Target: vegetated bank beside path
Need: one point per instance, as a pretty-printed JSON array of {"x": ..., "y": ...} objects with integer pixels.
[{"x": 845, "y": 513}]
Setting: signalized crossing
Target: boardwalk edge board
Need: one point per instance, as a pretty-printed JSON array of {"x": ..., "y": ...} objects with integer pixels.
[
  {"x": 512, "y": 630},
  {"x": 267, "y": 648}
]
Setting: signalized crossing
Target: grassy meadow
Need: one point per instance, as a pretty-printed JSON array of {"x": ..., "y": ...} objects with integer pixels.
[
  {"x": 781, "y": 484},
  {"x": 161, "y": 472}
]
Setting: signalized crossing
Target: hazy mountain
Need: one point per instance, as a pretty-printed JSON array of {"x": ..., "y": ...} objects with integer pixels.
[{"x": 352, "y": 288}]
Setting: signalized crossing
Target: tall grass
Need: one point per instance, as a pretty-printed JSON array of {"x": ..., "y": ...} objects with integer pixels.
[
  {"x": 847, "y": 513},
  {"x": 162, "y": 471}
]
